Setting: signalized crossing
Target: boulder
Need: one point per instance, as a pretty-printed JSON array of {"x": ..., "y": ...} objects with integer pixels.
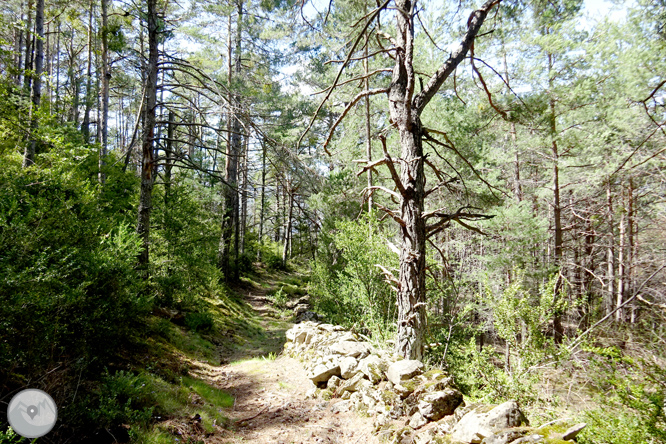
[
  {"x": 354, "y": 384},
  {"x": 505, "y": 437},
  {"x": 353, "y": 349},
  {"x": 572, "y": 432},
  {"x": 425, "y": 436},
  {"x": 436, "y": 405},
  {"x": 373, "y": 367},
  {"x": 348, "y": 367},
  {"x": 341, "y": 406},
  {"x": 417, "y": 420},
  {"x": 323, "y": 372},
  {"x": 405, "y": 369},
  {"x": 333, "y": 383},
  {"x": 477, "y": 424}
]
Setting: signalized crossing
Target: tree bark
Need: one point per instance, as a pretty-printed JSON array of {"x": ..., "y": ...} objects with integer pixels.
[
  {"x": 106, "y": 78},
  {"x": 85, "y": 125},
  {"x": 287, "y": 233},
  {"x": 610, "y": 250},
  {"x": 31, "y": 147},
  {"x": 230, "y": 210},
  {"x": 405, "y": 109},
  {"x": 147, "y": 151},
  {"x": 558, "y": 329}
]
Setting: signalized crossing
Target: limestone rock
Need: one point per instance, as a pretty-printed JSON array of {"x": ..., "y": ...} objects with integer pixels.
[
  {"x": 353, "y": 349},
  {"x": 531, "y": 439},
  {"x": 572, "y": 432},
  {"x": 405, "y": 369},
  {"x": 353, "y": 384},
  {"x": 476, "y": 425},
  {"x": 373, "y": 367},
  {"x": 505, "y": 437},
  {"x": 342, "y": 406},
  {"x": 333, "y": 383},
  {"x": 348, "y": 367},
  {"x": 436, "y": 405},
  {"x": 323, "y": 372},
  {"x": 424, "y": 437},
  {"x": 417, "y": 420}
]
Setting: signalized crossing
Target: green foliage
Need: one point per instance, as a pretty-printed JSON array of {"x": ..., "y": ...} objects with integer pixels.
[
  {"x": 348, "y": 285},
  {"x": 280, "y": 298},
  {"x": 520, "y": 320},
  {"x": 199, "y": 322},
  {"x": 68, "y": 287},
  {"x": 9, "y": 437},
  {"x": 634, "y": 399}
]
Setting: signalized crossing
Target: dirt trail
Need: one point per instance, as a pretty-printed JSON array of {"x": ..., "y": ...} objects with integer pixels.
[{"x": 271, "y": 406}]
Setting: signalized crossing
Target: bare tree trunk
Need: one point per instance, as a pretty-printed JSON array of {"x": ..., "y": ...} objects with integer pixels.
[
  {"x": 610, "y": 251},
  {"x": 31, "y": 147},
  {"x": 147, "y": 158},
  {"x": 230, "y": 211},
  {"x": 244, "y": 192},
  {"x": 85, "y": 126},
  {"x": 368, "y": 139},
  {"x": 287, "y": 232},
  {"x": 106, "y": 78},
  {"x": 263, "y": 196},
  {"x": 621, "y": 270},
  {"x": 558, "y": 329},
  {"x": 27, "y": 79}
]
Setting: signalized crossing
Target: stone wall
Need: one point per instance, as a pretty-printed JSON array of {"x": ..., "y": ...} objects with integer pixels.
[{"x": 407, "y": 403}]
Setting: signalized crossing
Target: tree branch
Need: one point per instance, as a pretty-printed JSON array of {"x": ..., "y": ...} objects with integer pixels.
[{"x": 437, "y": 80}]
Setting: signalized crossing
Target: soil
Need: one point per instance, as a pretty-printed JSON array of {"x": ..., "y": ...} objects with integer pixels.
[{"x": 270, "y": 394}]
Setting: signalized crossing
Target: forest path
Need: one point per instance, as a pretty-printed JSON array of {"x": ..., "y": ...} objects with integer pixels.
[{"x": 270, "y": 392}]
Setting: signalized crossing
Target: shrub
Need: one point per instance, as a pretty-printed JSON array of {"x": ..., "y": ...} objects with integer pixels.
[{"x": 199, "y": 322}]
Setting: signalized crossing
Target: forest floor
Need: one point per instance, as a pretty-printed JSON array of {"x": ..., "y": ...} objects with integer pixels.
[{"x": 269, "y": 390}]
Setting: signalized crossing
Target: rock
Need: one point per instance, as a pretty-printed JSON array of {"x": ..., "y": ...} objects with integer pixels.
[
  {"x": 381, "y": 420},
  {"x": 373, "y": 367},
  {"x": 476, "y": 425},
  {"x": 333, "y": 383},
  {"x": 305, "y": 300},
  {"x": 436, "y": 405},
  {"x": 424, "y": 437},
  {"x": 307, "y": 317},
  {"x": 417, "y": 420},
  {"x": 504, "y": 437},
  {"x": 353, "y": 349},
  {"x": 531, "y": 439},
  {"x": 353, "y": 384},
  {"x": 342, "y": 406},
  {"x": 572, "y": 432},
  {"x": 405, "y": 369},
  {"x": 348, "y": 367},
  {"x": 323, "y": 372},
  {"x": 300, "y": 309}
]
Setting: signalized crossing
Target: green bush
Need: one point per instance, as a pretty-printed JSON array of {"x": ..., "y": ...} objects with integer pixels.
[
  {"x": 68, "y": 287},
  {"x": 199, "y": 322},
  {"x": 347, "y": 284}
]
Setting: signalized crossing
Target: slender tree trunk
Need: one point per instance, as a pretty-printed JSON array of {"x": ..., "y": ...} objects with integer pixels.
[
  {"x": 621, "y": 264},
  {"x": 18, "y": 50},
  {"x": 558, "y": 329},
  {"x": 147, "y": 157},
  {"x": 27, "y": 78},
  {"x": 244, "y": 192},
  {"x": 31, "y": 147},
  {"x": 610, "y": 251},
  {"x": 106, "y": 78},
  {"x": 85, "y": 126},
  {"x": 263, "y": 196},
  {"x": 231, "y": 210},
  {"x": 368, "y": 138},
  {"x": 287, "y": 232}
]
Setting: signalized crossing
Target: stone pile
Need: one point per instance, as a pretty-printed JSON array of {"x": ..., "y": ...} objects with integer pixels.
[{"x": 407, "y": 403}]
